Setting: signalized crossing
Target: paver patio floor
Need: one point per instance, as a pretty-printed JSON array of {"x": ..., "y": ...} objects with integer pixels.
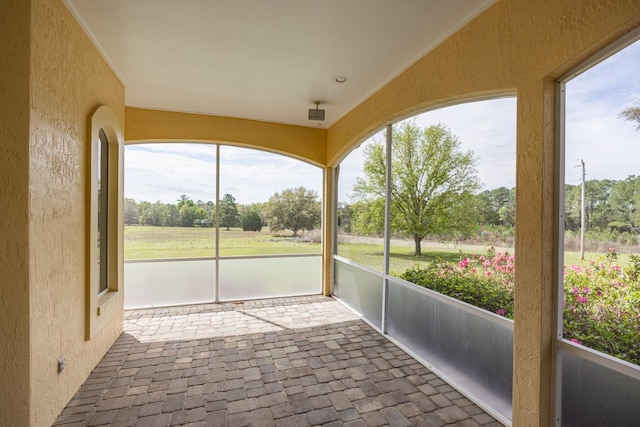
[{"x": 300, "y": 361}]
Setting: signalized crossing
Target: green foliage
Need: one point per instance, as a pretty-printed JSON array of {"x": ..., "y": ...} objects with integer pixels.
[
  {"x": 496, "y": 207},
  {"x": 190, "y": 214},
  {"x": 601, "y": 302},
  {"x": 251, "y": 221},
  {"x": 602, "y": 306},
  {"x": 293, "y": 209},
  {"x": 130, "y": 212},
  {"x": 432, "y": 183},
  {"x": 368, "y": 217},
  {"x": 483, "y": 281},
  {"x": 345, "y": 215},
  {"x": 229, "y": 216},
  {"x": 612, "y": 209}
]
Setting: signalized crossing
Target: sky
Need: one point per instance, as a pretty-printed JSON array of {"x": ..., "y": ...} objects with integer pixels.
[
  {"x": 595, "y": 133},
  {"x": 164, "y": 171}
]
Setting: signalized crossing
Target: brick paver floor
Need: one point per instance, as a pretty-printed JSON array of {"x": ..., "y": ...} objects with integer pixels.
[{"x": 302, "y": 361}]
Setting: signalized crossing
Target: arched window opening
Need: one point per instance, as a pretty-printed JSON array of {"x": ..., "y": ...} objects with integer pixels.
[{"x": 206, "y": 222}]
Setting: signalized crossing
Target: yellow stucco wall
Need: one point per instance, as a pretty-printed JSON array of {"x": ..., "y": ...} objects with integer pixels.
[
  {"x": 303, "y": 143},
  {"x": 69, "y": 79},
  {"x": 521, "y": 47},
  {"x": 14, "y": 231}
]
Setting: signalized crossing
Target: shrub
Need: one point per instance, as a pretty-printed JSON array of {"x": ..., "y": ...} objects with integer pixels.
[
  {"x": 251, "y": 221},
  {"x": 483, "y": 281},
  {"x": 601, "y": 302},
  {"x": 602, "y": 306}
]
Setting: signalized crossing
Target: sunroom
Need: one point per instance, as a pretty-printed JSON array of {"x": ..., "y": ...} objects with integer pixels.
[{"x": 265, "y": 102}]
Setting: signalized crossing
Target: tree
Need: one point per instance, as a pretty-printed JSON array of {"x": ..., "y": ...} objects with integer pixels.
[
  {"x": 432, "y": 181},
  {"x": 625, "y": 206},
  {"x": 631, "y": 114},
  {"x": 229, "y": 216},
  {"x": 344, "y": 214},
  {"x": 293, "y": 209},
  {"x": 130, "y": 211},
  {"x": 251, "y": 221},
  {"x": 496, "y": 207},
  {"x": 189, "y": 213}
]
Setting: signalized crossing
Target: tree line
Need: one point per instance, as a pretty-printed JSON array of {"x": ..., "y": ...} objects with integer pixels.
[
  {"x": 434, "y": 192},
  {"x": 612, "y": 209},
  {"x": 294, "y": 209}
]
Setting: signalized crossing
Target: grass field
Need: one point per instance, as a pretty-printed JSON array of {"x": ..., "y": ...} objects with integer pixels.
[{"x": 143, "y": 242}]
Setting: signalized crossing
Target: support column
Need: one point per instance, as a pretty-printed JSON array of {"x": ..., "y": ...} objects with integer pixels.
[
  {"x": 534, "y": 332},
  {"x": 327, "y": 230}
]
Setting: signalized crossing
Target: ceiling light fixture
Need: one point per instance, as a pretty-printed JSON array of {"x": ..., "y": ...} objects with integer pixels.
[
  {"x": 340, "y": 79},
  {"x": 316, "y": 114}
]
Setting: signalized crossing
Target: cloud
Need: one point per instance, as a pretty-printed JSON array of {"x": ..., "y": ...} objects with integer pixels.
[
  {"x": 487, "y": 127},
  {"x": 164, "y": 171},
  {"x": 595, "y": 132}
]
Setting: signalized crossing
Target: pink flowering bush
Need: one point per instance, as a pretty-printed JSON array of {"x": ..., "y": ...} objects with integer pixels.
[
  {"x": 601, "y": 301},
  {"x": 485, "y": 281},
  {"x": 602, "y": 306}
]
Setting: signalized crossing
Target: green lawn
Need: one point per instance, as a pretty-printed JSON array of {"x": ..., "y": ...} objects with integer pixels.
[
  {"x": 144, "y": 242},
  {"x": 401, "y": 256}
]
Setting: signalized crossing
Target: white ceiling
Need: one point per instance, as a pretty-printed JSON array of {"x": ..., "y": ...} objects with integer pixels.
[{"x": 265, "y": 60}]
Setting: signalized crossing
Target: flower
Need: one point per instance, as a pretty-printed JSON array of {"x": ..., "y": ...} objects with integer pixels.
[
  {"x": 501, "y": 312},
  {"x": 576, "y": 341}
]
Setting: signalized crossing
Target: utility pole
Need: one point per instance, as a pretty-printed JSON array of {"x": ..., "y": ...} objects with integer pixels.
[{"x": 583, "y": 219}]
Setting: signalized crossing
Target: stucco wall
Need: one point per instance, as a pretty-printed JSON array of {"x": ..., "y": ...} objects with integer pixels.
[
  {"x": 303, "y": 143},
  {"x": 14, "y": 230},
  {"x": 69, "y": 79},
  {"x": 521, "y": 47}
]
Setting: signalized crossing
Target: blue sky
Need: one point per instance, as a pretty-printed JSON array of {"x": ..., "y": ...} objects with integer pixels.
[{"x": 595, "y": 133}]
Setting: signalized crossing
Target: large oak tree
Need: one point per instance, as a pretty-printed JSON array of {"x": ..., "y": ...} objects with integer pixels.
[
  {"x": 293, "y": 209},
  {"x": 432, "y": 183}
]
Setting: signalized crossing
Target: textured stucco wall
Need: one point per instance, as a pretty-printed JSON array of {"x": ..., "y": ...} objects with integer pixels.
[
  {"x": 69, "y": 79},
  {"x": 303, "y": 143},
  {"x": 14, "y": 197},
  {"x": 521, "y": 47}
]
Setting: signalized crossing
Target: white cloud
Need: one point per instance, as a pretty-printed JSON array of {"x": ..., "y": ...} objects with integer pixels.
[
  {"x": 164, "y": 171},
  {"x": 595, "y": 132}
]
